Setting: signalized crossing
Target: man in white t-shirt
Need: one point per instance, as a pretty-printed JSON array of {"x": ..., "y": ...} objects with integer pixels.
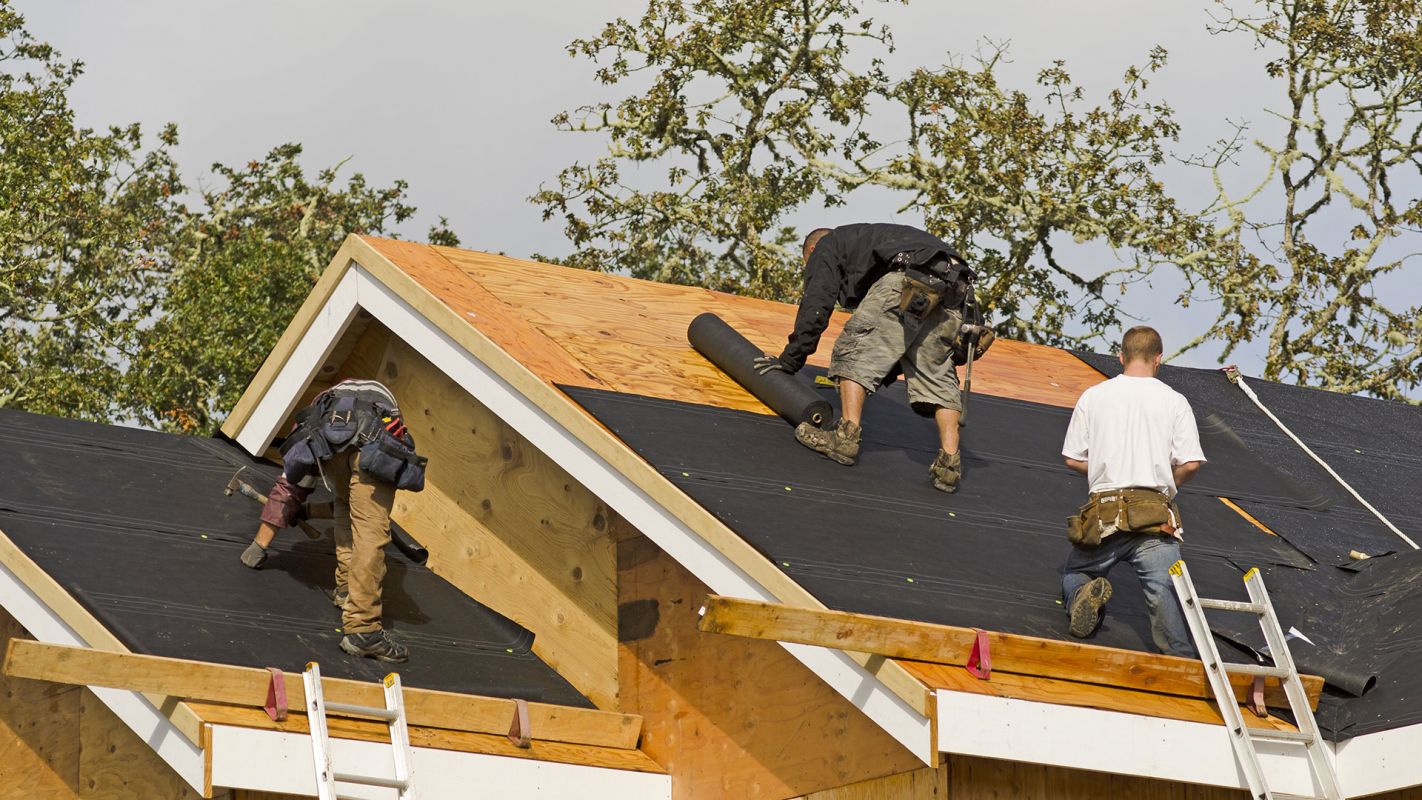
[{"x": 1135, "y": 440}]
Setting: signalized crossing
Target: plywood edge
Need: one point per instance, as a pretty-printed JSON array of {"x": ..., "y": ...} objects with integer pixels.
[
  {"x": 617, "y": 454},
  {"x": 72, "y": 613},
  {"x": 1009, "y": 653},
  {"x": 438, "y": 738},
  {"x": 223, "y": 683},
  {"x": 295, "y": 330}
]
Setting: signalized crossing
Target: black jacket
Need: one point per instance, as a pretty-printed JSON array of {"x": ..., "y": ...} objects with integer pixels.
[{"x": 845, "y": 263}]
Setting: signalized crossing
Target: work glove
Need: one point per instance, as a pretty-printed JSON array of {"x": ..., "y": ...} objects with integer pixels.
[
  {"x": 766, "y": 364},
  {"x": 254, "y": 556}
]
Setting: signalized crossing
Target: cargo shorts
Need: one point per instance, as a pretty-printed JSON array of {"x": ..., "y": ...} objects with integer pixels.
[{"x": 876, "y": 337}]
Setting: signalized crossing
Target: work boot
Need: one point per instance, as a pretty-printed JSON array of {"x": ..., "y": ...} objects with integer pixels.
[
  {"x": 378, "y": 645},
  {"x": 254, "y": 556},
  {"x": 946, "y": 471},
  {"x": 840, "y": 443},
  {"x": 338, "y": 597},
  {"x": 1087, "y": 605}
]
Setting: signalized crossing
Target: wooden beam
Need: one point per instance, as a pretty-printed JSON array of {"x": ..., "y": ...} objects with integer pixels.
[
  {"x": 945, "y": 644},
  {"x": 222, "y": 683}
]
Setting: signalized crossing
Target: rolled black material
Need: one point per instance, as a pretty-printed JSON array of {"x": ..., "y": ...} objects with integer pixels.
[
  {"x": 412, "y": 549},
  {"x": 735, "y": 355}
]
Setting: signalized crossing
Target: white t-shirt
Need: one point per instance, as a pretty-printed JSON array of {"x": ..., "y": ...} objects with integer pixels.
[{"x": 1131, "y": 431}]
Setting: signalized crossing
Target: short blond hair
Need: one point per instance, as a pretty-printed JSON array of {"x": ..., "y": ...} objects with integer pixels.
[{"x": 1141, "y": 343}]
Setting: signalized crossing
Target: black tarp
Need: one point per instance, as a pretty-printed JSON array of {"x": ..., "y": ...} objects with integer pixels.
[
  {"x": 878, "y": 539},
  {"x": 136, "y": 526}
]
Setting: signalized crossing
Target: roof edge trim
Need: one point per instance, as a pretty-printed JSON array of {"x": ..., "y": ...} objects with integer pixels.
[{"x": 285, "y": 768}]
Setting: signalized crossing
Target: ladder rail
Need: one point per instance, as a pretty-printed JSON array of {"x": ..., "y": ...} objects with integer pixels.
[
  {"x": 1244, "y": 752},
  {"x": 1323, "y": 769},
  {"x": 393, "y": 715},
  {"x": 1242, "y": 737}
]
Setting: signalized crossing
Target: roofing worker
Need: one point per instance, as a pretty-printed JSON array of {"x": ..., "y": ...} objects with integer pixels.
[
  {"x": 353, "y": 438},
  {"x": 1135, "y": 440},
  {"x": 910, "y": 292}
]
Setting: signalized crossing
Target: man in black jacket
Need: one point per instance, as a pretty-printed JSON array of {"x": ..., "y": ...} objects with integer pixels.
[{"x": 910, "y": 292}]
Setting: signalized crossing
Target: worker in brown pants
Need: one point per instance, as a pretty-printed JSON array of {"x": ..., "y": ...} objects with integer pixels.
[{"x": 353, "y": 439}]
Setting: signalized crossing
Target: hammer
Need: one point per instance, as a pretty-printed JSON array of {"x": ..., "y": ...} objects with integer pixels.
[
  {"x": 971, "y": 334},
  {"x": 236, "y": 484}
]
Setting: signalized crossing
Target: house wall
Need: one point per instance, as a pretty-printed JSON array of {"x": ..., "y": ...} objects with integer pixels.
[
  {"x": 60, "y": 742},
  {"x": 501, "y": 520},
  {"x": 972, "y": 778},
  {"x": 730, "y": 717}
]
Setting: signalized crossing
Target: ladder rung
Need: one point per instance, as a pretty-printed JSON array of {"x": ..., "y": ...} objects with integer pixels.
[
  {"x": 371, "y": 780},
  {"x": 1233, "y": 605},
  {"x": 1298, "y": 737},
  {"x": 361, "y": 711},
  {"x": 1282, "y": 796},
  {"x": 1254, "y": 669}
]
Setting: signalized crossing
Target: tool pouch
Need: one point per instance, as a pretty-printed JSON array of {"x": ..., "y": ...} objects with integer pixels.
[
  {"x": 388, "y": 459},
  {"x": 339, "y": 425},
  {"x": 1151, "y": 512},
  {"x": 1094, "y": 520},
  {"x": 922, "y": 292}
]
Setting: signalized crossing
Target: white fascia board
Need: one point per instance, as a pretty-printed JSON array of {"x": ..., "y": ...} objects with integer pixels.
[
  {"x": 301, "y": 366},
  {"x": 281, "y": 762},
  {"x": 133, "y": 708},
  {"x": 1381, "y": 762},
  {"x": 712, "y": 567},
  {"x": 1109, "y": 741}
]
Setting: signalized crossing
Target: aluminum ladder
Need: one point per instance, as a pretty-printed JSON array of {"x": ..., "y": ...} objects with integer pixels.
[
  {"x": 392, "y": 714},
  {"x": 1242, "y": 737}
]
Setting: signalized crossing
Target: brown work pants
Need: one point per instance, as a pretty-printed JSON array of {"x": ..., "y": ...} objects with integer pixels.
[{"x": 362, "y": 529}]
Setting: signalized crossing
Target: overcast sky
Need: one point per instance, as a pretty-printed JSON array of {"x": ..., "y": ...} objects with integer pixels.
[{"x": 455, "y": 97}]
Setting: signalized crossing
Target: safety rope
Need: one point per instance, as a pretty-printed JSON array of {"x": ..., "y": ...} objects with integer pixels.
[{"x": 1232, "y": 372}]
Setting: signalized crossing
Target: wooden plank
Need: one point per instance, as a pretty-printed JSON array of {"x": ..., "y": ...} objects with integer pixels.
[
  {"x": 114, "y": 764},
  {"x": 39, "y": 733},
  {"x": 222, "y": 683},
  {"x": 1083, "y": 695},
  {"x": 78, "y": 618},
  {"x": 732, "y": 717},
  {"x": 624, "y": 460},
  {"x": 443, "y": 739},
  {"x": 945, "y": 644},
  {"x": 502, "y": 521}
]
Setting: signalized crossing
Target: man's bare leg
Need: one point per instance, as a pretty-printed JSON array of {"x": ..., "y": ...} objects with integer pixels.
[
  {"x": 947, "y": 420},
  {"x": 851, "y": 400},
  {"x": 266, "y": 532}
]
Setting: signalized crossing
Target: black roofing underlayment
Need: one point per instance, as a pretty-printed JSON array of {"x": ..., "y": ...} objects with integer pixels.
[
  {"x": 135, "y": 525},
  {"x": 1364, "y": 618},
  {"x": 878, "y": 539}
]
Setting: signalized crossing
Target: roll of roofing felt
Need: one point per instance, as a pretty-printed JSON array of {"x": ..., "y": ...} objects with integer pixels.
[
  {"x": 723, "y": 346},
  {"x": 412, "y": 549}
]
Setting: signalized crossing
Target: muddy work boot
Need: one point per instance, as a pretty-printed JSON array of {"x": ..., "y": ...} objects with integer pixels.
[
  {"x": 377, "y": 645},
  {"x": 840, "y": 443},
  {"x": 1087, "y": 605},
  {"x": 946, "y": 471},
  {"x": 338, "y": 597}
]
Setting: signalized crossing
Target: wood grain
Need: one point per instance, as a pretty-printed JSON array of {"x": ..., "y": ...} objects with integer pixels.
[
  {"x": 1011, "y": 653},
  {"x": 222, "y": 683},
  {"x": 732, "y": 718},
  {"x": 114, "y": 764},
  {"x": 39, "y": 733},
  {"x": 443, "y": 739}
]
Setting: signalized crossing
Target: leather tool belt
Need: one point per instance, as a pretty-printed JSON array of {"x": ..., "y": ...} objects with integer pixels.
[
  {"x": 928, "y": 285},
  {"x": 1124, "y": 511}
]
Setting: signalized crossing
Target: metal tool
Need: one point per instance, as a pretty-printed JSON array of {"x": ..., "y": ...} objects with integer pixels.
[
  {"x": 236, "y": 484},
  {"x": 1243, "y": 737},
  {"x": 970, "y": 334}
]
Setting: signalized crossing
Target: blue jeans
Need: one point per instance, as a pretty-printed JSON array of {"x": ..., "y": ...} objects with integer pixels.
[{"x": 1152, "y": 555}]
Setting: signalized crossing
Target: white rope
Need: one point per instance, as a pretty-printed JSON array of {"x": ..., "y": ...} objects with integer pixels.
[{"x": 1233, "y": 374}]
